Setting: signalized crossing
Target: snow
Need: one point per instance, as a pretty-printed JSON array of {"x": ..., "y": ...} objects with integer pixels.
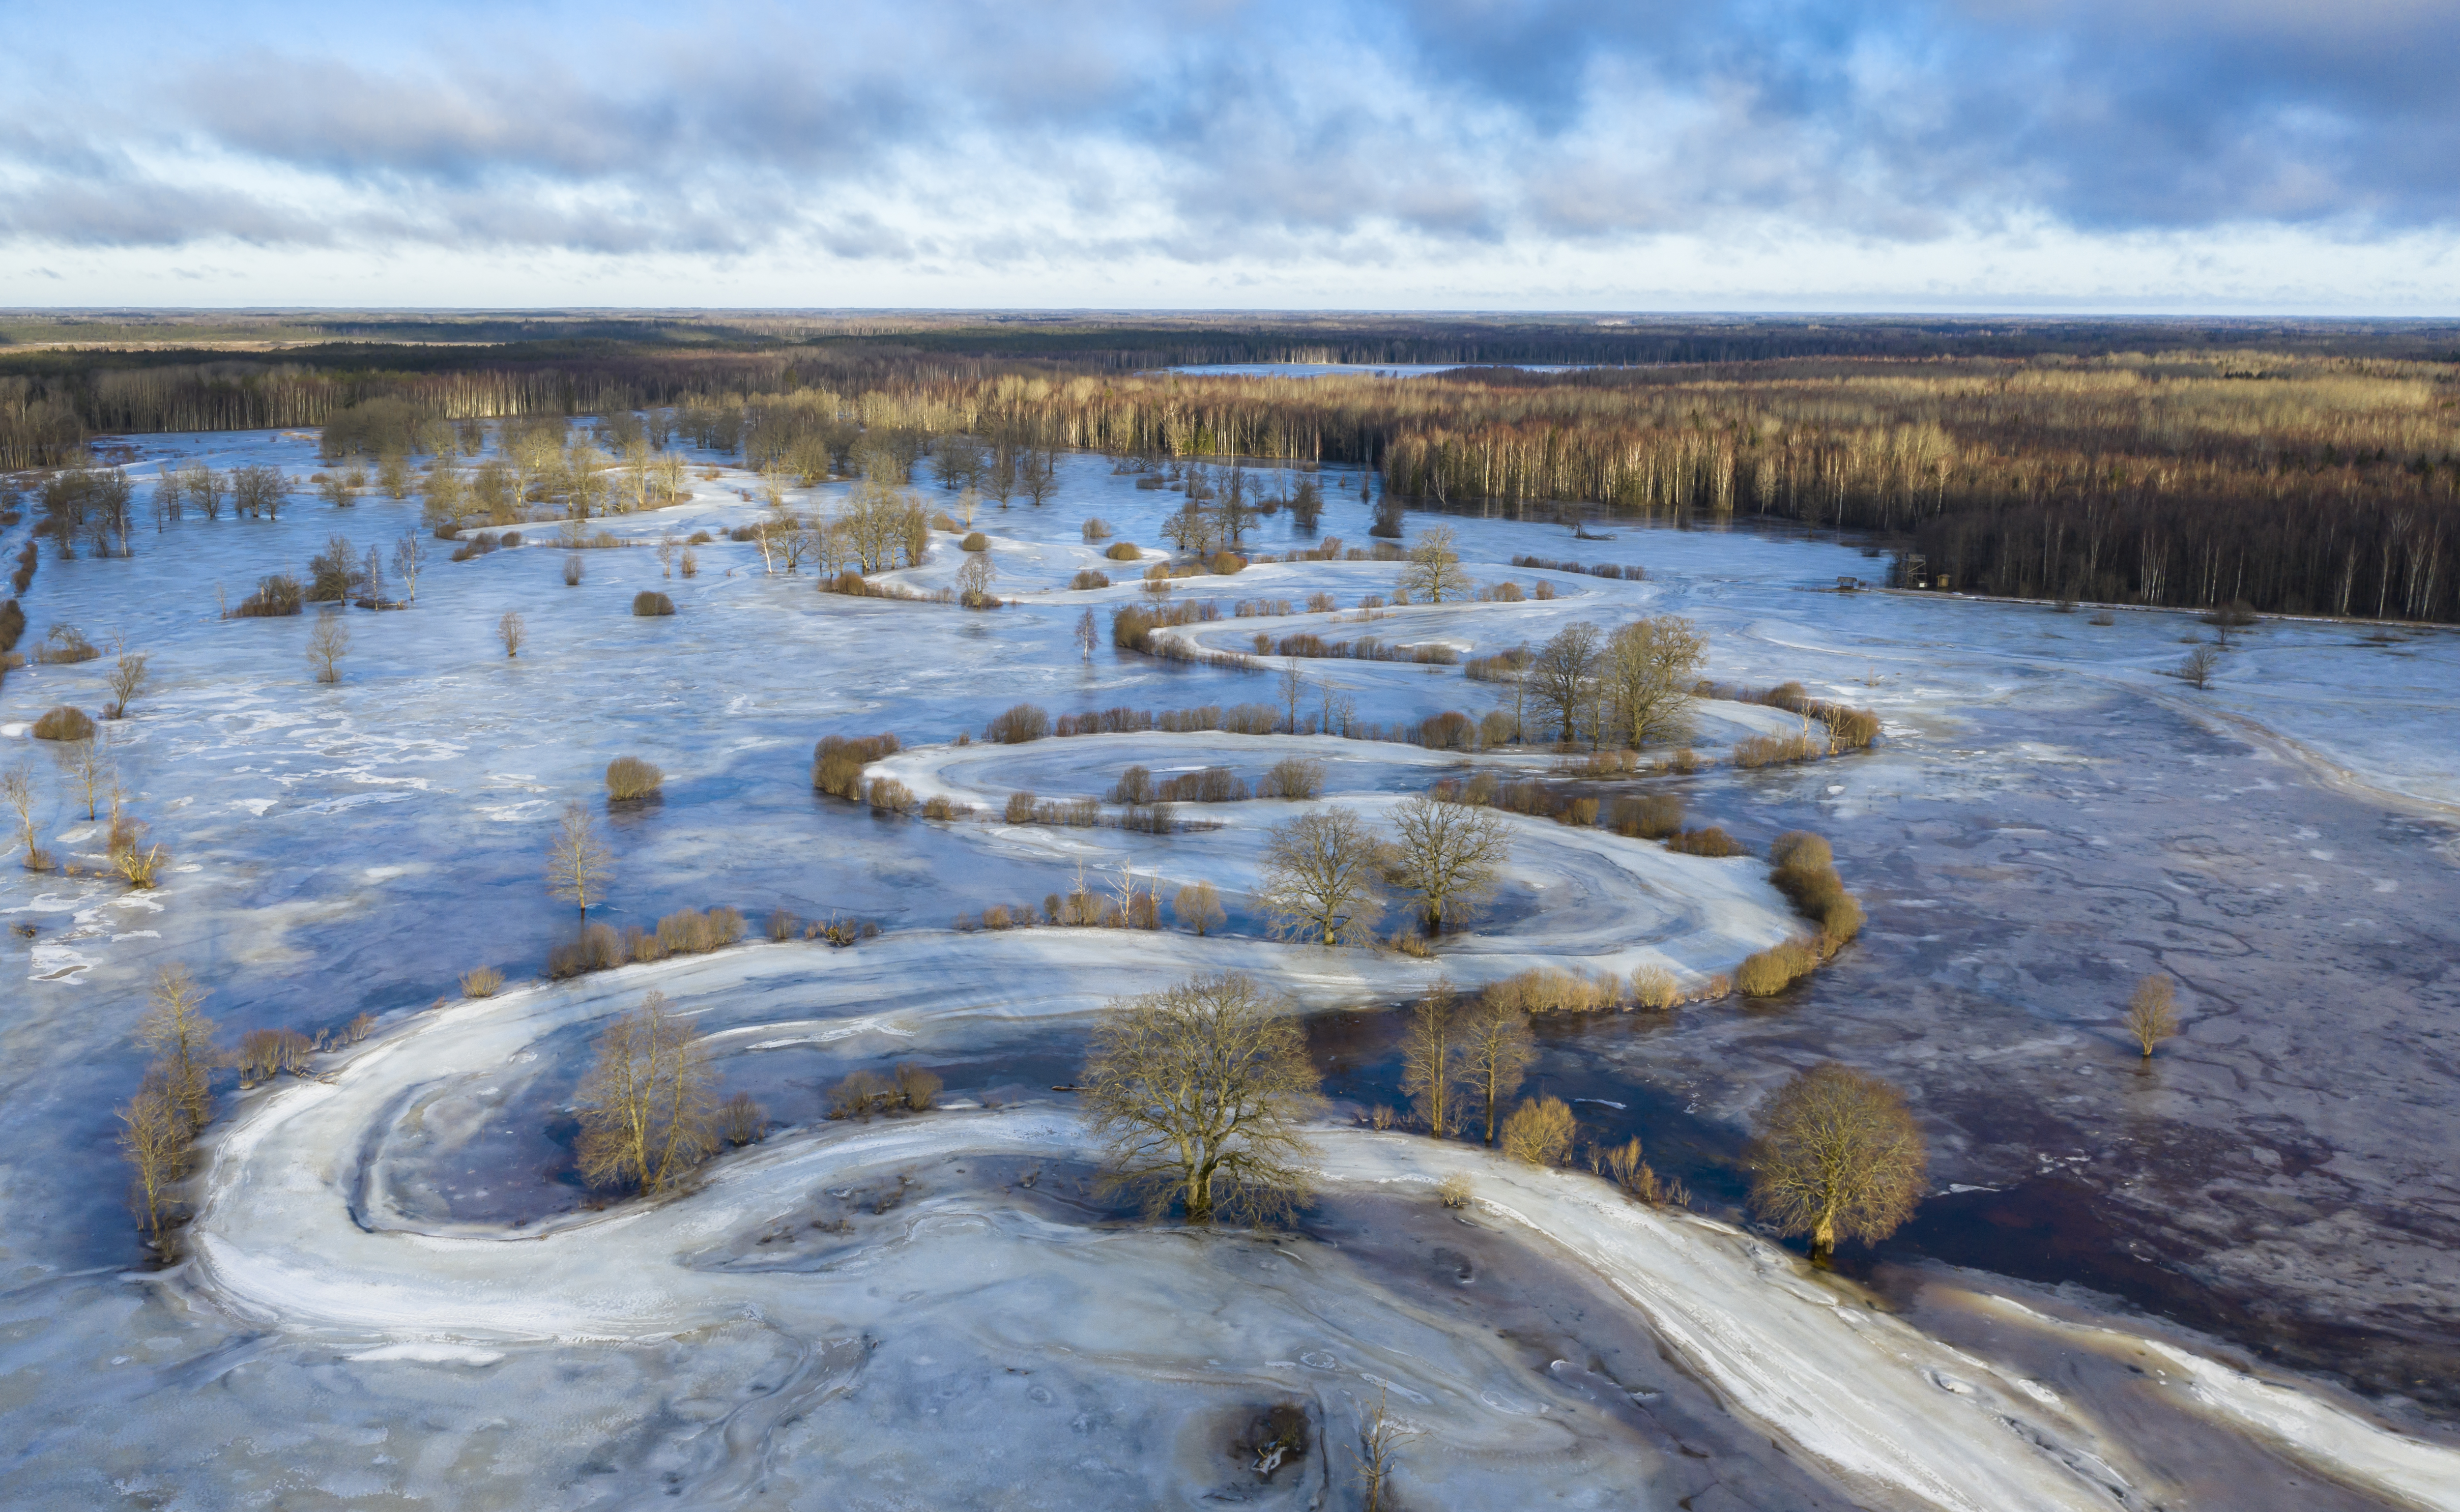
[{"x": 2049, "y": 816}]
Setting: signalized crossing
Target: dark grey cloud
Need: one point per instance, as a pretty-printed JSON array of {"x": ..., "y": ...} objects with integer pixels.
[{"x": 868, "y": 131}]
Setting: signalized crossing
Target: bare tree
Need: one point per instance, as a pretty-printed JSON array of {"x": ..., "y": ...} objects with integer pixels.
[
  {"x": 85, "y": 765},
  {"x": 513, "y": 631},
  {"x": 644, "y": 1105},
  {"x": 1319, "y": 877},
  {"x": 1197, "y": 1092},
  {"x": 1649, "y": 671},
  {"x": 1293, "y": 686},
  {"x": 1379, "y": 1437},
  {"x": 667, "y": 544},
  {"x": 1198, "y": 907},
  {"x": 2151, "y": 1012},
  {"x": 1496, "y": 1049},
  {"x": 1837, "y": 1156},
  {"x": 576, "y": 862},
  {"x": 1560, "y": 674},
  {"x": 1089, "y": 635},
  {"x": 1432, "y": 1057},
  {"x": 1450, "y": 855},
  {"x": 328, "y": 641},
  {"x": 127, "y": 680},
  {"x": 206, "y": 488},
  {"x": 974, "y": 579},
  {"x": 154, "y": 1137},
  {"x": 17, "y": 791},
  {"x": 1435, "y": 572},
  {"x": 181, "y": 1039},
  {"x": 2199, "y": 666},
  {"x": 409, "y": 555}
]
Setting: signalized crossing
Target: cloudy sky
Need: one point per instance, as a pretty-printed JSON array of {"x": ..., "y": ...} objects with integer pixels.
[{"x": 2100, "y": 155}]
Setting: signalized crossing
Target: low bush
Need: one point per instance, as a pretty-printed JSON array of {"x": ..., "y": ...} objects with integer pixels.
[
  {"x": 1125, "y": 551},
  {"x": 650, "y": 603},
  {"x": 1651, "y": 817},
  {"x": 596, "y": 948},
  {"x": 275, "y": 596},
  {"x": 783, "y": 926},
  {"x": 1226, "y": 563},
  {"x": 917, "y": 1088},
  {"x": 837, "y": 762},
  {"x": 1018, "y": 725},
  {"x": 687, "y": 931},
  {"x": 1506, "y": 593},
  {"x": 66, "y": 644},
  {"x": 943, "y": 808},
  {"x": 1094, "y": 528},
  {"x": 1214, "y": 785},
  {"x": 863, "y": 1094},
  {"x": 888, "y": 795},
  {"x": 1710, "y": 841},
  {"x": 1546, "y": 989},
  {"x": 64, "y": 722},
  {"x": 1773, "y": 971},
  {"x": 1539, "y": 1132},
  {"x": 1655, "y": 989},
  {"x": 741, "y": 1121},
  {"x": 1448, "y": 731},
  {"x": 1762, "y": 751},
  {"x": 572, "y": 572},
  {"x": 1134, "y": 786},
  {"x": 13, "y": 624},
  {"x": 975, "y": 540},
  {"x": 1803, "y": 867},
  {"x": 1020, "y": 808},
  {"x": 1453, "y": 1190},
  {"x": 1087, "y": 578},
  {"x": 1293, "y": 777},
  {"x": 629, "y": 778},
  {"x": 482, "y": 981}
]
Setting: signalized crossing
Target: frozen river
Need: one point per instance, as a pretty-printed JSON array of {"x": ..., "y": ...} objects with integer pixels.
[{"x": 400, "y": 1294}]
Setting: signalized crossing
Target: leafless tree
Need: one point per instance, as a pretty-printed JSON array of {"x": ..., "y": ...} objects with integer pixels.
[
  {"x": 2199, "y": 666},
  {"x": 577, "y": 862},
  {"x": 644, "y": 1105},
  {"x": 409, "y": 555},
  {"x": 1089, "y": 635},
  {"x": 1837, "y": 1156},
  {"x": 1198, "y": 907},
  {"x": 154, "y": 1137},
  {"x": 1198, "y": 1093},
  {"x": 1435, "y": 572},
  {"x": 205, "y": 488},
  {"x": 17, "y": 791},
  {"x": 1450, "y": 855},
  {"x": 1497, "y": 1051},
  {"x": 974, "y": 578},
  {"x": 1293, "y": 686},
  {"x": 1563, "y": 673},
  {"x": 2151, "y": 1012},
  {"x": 127, "y": 680},
  {"x": 1649, "y": 671},
  {"x": 667, "y": 544},
  {"x": 181, "y": 1038},
  {"x": 1432, "y": 1057},
  {"x": 1319, "y": 878},
  {"x": 1379, "y": 1437},
  {"x": 513, "y": 631},
  {"x": 328, "y": 641},
  {"x": 85, "y": 765}
]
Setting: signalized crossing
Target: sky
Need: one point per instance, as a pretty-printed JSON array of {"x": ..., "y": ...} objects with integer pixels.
[{"x": 2131, "y": 155}]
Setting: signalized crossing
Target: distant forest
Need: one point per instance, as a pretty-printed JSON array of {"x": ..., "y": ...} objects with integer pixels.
[{"x": 2294, "y": 466}]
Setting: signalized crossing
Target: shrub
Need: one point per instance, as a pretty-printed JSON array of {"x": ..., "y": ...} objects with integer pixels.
[
  {"x": 1654, "y": 987},
  {"x": 1087, "y": 578},
  {"x": 649, "y": 603},
  {"x": 1710, "y": 841},
  {"x": 275, "y": 596},
  {"x": 1021, "y": 723},
  {"x": 863, "y": 1094},
  {"x": 1849, "y": 729},
  {"x": 1453, "y": 1190},
  {"x": 975, "y": 540},
  {"x": 917, "y": 1088},
  {"x": 1226, "y": 563},
  {"x": 1773, "y": 971},
  {"x": 1125, "y": 551},
  {"x": 66, "y": 644},
  {"x": 741, "y": 1121},
  {"x": 1507, "y": 593},
  {"x": 595, "y": 948},
  {"x": 1545, "y": 990},
  {"x": 1759, "y": 750},
  {"x": 481, "y": 981},
  {"x": 1020, "y": 808},
  {"x": 1652, "y": 816},
  {"x": 837, "y": 762},
  {"x": 1214, "y": 785},
  {"x": 1094, "y": 528},
  {"x": 996, "y": 917},
  {"x": 64, "y": 722},
  {"x": 572, "y": 572},
  {"x": 783, "y": 926},
  {"x": 888, "y": 795},
  {"x": 1134, "y": 786},
  {"x": 1539, "y": 1132},
  {"x": 1449, "y": 730},
  {"x": 941, "y": 808},
  {"x": 1294, "y": 777},
  {"x": 632, "y": 777},
  {"x": 1581, "y": 810},
  {"x": 689, "y": 932}
]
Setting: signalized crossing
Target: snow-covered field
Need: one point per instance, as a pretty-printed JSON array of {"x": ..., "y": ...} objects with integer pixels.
[{"x": 396, "y": 1293}]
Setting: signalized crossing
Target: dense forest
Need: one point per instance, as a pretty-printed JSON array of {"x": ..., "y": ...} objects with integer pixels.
[{"x": 2300, "y": 467}]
